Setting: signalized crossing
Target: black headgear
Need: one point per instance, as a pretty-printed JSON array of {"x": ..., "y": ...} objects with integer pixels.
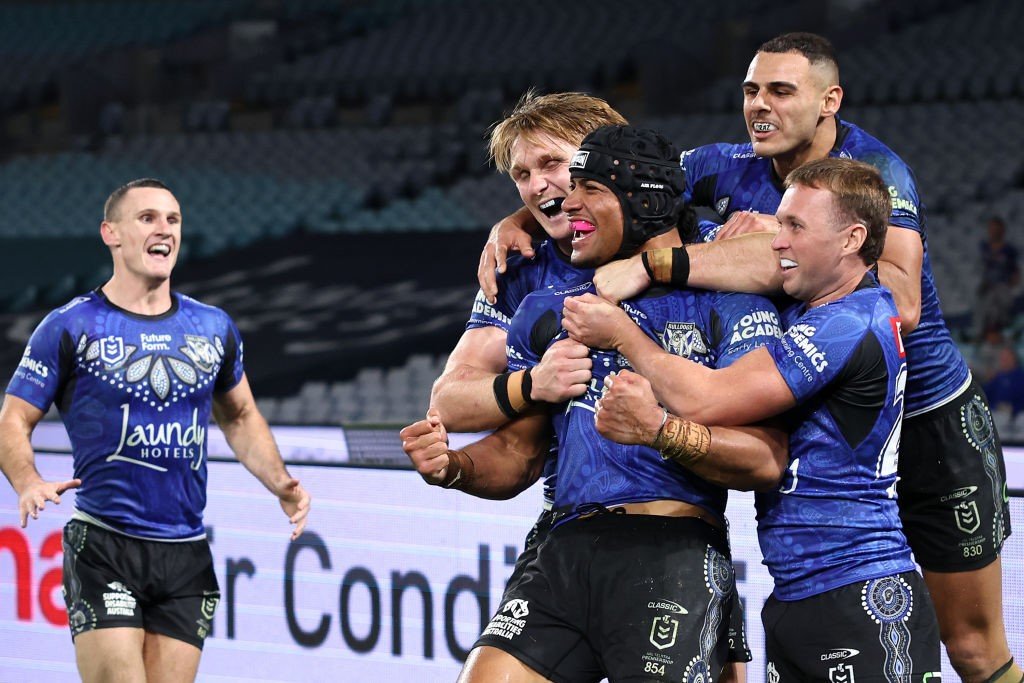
[{"x": 642, "y": 168}]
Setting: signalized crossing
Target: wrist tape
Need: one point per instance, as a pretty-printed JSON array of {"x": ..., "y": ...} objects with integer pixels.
[
  {"x": 667, "y": 265},
  {"x": 512, "y": 392},
  {"x": 461, "y": 470},
  {"x": 682, "y": 441}
]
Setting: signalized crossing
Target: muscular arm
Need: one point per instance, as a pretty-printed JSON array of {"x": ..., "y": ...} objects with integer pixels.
[
  {"x": 463, "y": 393},
  {"x": 899, "y": 269},
  {"x": 745, "y": 458},
  {"x": 250, "y": 439},
  {"x": 18, "y": 418},
  {"x": 497, "y": 467},
  {"x": 744, "y": 263}
]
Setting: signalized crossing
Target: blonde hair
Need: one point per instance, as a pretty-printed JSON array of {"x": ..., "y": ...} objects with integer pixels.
[{"x": 569, "y": 116}]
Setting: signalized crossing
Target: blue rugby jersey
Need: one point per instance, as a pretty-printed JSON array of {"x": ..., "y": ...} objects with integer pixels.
[
  {"x": 550, "y": 267},
  {"x": 833, "y": 520},
  {"x": 732, "y": 178},
  {"x": 711, "y": 328},
  {"x": 135, "y": 393}
]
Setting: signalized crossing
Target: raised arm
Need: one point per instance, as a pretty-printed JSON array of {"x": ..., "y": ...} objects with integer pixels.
[
  {"x": 250, "y": 439},
  {"x": 512, "y": 233},
  {"x": 899, "y": 269},
  {"x": 497, "y": 467},
  {"x": 18, "y": 418},
  {"x": 744, "y": 263}
]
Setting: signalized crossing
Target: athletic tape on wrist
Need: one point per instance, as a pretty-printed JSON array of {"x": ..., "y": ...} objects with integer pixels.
[
  {"x": 460, "y": 472},
  {"x": 680, "y": 270},
  {"x": 682, "y": 441},
  {"x": 509, "y": 392}
]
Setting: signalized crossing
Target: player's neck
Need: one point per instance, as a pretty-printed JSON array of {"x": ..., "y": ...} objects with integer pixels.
[
  {"x": 137, "y": 296},
  {"x": 846, "y": 285},
  {"x": 818, "y": 148}
]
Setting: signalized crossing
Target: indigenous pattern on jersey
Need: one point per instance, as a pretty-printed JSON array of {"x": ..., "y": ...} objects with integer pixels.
[
  {"x": 135, "y": 393},
  {"x": 833, "y": 519},
  {"x": 710, "y": 328},
  {"x": 732, "y": 178},
  {"x": 549, "y": 267}
]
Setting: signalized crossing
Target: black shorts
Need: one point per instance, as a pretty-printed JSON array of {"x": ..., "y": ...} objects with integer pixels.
[
  {"x": 113, "y": 580},
  {"x": 878, "y": 630},
  {"x": 952, "y": 489},
  {"x": 630, "y": 597}
]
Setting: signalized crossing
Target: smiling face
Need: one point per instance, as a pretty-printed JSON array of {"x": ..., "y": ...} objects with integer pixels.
[
  {"x": 813, "y": 247},
  {"x": 540, "y": 169},
  {"x": 785, "y": 100},
  {"x": 144, "y": 234},
  {"x": 595, "y": 215}
]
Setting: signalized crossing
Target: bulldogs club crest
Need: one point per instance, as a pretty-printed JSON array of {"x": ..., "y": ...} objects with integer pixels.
[{"x": 683, "y": 339}]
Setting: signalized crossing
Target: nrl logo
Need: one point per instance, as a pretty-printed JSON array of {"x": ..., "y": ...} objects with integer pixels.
[
  {"x": 721, "y": 206},
  {"x": 201, "y": 352},
  {"x": 664, "y": 631},
  {"x": 112, "y": 351},
  {"x": 967, "y": 517},
  {"x": 683, "y": 339}
]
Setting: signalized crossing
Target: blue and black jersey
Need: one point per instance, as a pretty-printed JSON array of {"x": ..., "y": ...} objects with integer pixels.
[
  {"x": 834, "y": 520},
  {"x": 135, "y": 393},
  {"x": 710, "y": 328},
  {"x": 732, "y": 178}
]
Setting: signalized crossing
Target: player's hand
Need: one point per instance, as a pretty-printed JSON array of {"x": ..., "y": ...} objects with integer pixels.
[
  {"x": 295, "y": 502},
  {"x": 426, "y": 444},
  {"x": 506, "y": 235},
  {"x": 591, "y": 320},
  {"x": 563, "y": 372},
  {"x": 745, "y": 222},
  {"x": 622, "y": 279},
  {"x": 627, "y": 411},
  {"x": 33, "y": 499}
]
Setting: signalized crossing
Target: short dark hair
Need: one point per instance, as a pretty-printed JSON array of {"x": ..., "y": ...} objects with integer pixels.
[
  {"x": 114, "y": 200},
  {"x": 817, "y": 49},
  {"x": 861, "y": 196}
]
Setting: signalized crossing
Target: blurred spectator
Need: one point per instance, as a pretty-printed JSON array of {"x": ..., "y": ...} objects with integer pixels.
[
  {"x": 987, "y": 358},
  {"x": 1000, "y": 275},
  {"x": 1006, "y": 388}
]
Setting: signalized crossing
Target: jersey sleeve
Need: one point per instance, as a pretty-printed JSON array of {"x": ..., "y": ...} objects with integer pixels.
[
  {"x": 692, "y": 164},
  {"x": 906, "y": 204},
  {"x": 41, "y": 372},
  {"x": 815, "y": 350},
  {"x": 707, "y": 230},
  {"x": 233, "y": 366},
  {"x": 744, "y": 323},
  {"x": 513, "y": 286},
  {"x": 534, "y": 327}
]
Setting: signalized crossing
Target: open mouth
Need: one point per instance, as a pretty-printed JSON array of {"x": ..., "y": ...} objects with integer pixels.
[
  {"x": 161, "y": 250},
  {"x": 763, "y": 127},
  {"x": 552, "y": 207},
  {"x": 787, "y": 264},
  {"x": 581, "y": 230}
]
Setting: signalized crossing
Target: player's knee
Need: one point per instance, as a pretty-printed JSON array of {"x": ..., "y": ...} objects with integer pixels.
[{"x": 972, "y": 654}]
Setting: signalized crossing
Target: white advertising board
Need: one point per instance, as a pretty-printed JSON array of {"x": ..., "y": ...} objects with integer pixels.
[{"x": 392, "y": 581}]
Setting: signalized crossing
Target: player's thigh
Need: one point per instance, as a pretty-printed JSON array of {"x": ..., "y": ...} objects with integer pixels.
[
  {"x": 662, "y": 590},
  {"x": 487, "y": 664},
  {"x": 111, "y": 655},
  {"x": 881, "y": 629},
  {"x": 952, "y": 486},
  {"x": 169, "y": 660},
  {"x": 968, "y": 602}
]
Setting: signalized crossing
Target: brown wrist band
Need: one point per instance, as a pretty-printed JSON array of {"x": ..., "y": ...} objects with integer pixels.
[
  {"x": 460, "y": 472},
  {"x": 683, "y": 441},
  {"x": 660, "y": 265}
]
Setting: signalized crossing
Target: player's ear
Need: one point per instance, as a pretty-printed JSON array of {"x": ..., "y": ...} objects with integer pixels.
[
  {"x": 855, "y": 238},
  {"x": 832, "y": 100},
  {"x": 109, "y": 234}
]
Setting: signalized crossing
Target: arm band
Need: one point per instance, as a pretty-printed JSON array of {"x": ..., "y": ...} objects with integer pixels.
[
  {"x": 512, "y": 392},
  {"x": 667, "y": 266},
  {"x": 682, "y": 441},
  {"x": 461, "y": 470}
]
